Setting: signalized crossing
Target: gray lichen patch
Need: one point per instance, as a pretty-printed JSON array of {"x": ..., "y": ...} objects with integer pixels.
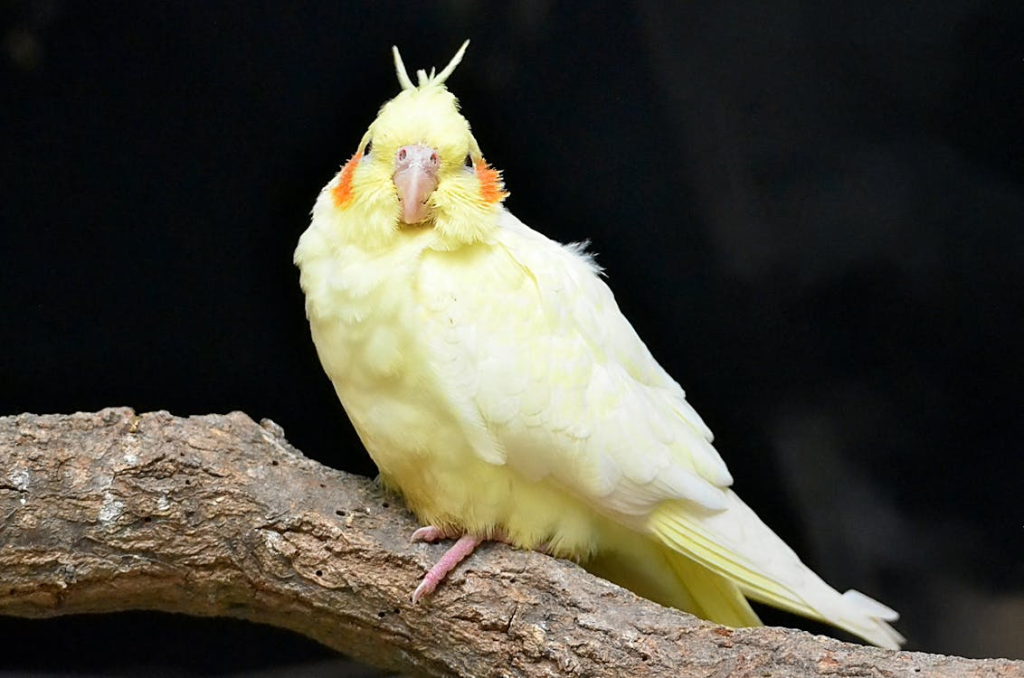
[
  {"x": 19, "y": 479},
  {"x": 111, "y": 509}
]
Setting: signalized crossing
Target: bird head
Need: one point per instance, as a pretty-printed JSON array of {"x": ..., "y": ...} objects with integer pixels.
[{"x": 418, "y": 166}]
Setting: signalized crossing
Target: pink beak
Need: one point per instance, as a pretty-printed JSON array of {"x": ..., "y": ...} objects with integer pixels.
[{"x": 415, "y": 179}]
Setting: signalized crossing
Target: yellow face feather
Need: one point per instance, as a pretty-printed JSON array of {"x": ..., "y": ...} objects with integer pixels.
[{"x": 464, "y": 206}]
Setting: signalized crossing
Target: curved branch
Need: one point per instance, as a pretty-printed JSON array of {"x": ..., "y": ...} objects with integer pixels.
[{"x": 218, "y": 515}]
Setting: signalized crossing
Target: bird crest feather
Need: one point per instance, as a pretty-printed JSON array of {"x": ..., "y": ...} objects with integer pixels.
[{"x": 432, "y": 80}]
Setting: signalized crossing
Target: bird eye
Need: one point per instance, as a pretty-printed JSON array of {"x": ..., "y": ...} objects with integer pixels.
[
  {"x": 368, "y": 148},
  {"x": 469, "y": 160}
]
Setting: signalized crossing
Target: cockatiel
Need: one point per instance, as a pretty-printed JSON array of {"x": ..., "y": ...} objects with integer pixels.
[{"x": 499, "y": 389}]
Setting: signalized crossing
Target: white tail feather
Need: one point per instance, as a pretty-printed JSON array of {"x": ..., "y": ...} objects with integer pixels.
[{"x": 737, "y": 545}]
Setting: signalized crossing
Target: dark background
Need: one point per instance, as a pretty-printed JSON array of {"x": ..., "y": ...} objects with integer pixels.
[{"x": 813, "y": 212}]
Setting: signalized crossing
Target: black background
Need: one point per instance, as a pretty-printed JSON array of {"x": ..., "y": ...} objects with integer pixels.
[{"x": 813, "y": 212}]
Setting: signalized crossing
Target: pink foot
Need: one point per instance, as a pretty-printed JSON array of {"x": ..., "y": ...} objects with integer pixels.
[{"x": 462, "y": 548}]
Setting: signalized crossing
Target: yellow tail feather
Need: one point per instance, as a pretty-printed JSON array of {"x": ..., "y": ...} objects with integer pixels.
[
  {"x": 661, "y": 574},
  {"x": 720, "y": 599}
]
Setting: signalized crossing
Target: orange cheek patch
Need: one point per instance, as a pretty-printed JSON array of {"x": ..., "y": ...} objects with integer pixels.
[
  {"x": 491, "y": 188},
  {"x": 343, "y": 191}
]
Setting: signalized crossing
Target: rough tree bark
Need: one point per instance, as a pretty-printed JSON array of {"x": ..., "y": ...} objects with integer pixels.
[{"x": 218, "y": 515}]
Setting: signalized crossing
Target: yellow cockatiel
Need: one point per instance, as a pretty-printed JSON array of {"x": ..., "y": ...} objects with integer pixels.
[{"x": 499, "y": 389}]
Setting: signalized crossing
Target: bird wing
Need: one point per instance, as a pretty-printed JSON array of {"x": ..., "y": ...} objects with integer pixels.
[
  {"x": 531, "y": 343},
  {"x": 552, "y": 381}
]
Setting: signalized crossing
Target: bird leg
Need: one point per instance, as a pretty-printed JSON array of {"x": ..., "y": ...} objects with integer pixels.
[
  {"x": 452, "y": 557},
  {"x": 463, "y": 547}
]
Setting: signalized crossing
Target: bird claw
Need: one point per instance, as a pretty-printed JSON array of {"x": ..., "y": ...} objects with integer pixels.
[{"x": 424, "y": 589}]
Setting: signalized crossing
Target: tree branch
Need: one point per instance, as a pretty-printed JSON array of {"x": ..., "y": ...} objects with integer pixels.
[{"x": 217, "y": 515}]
